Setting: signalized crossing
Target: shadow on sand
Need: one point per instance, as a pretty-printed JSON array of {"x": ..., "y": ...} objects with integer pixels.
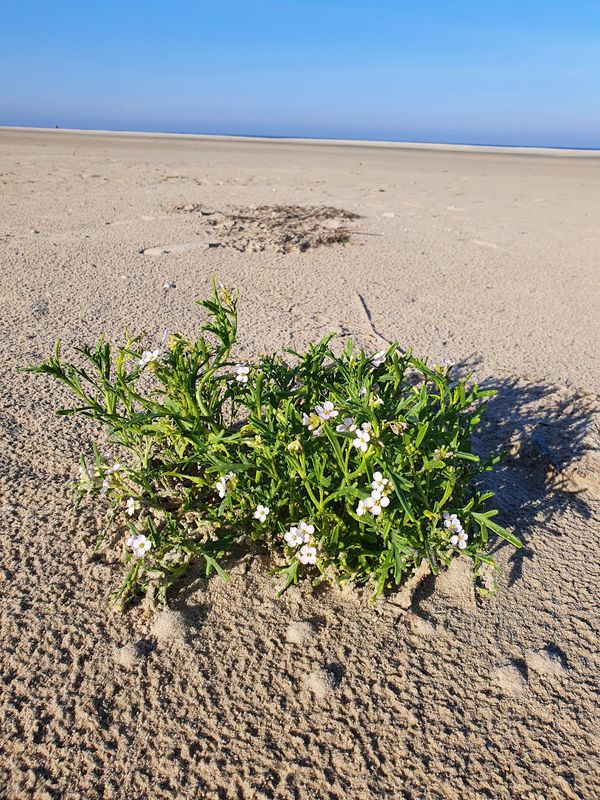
[{"x": 546, "y": 430}]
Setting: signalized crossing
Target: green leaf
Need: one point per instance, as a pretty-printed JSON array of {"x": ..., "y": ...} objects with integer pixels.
[
  {"x": 466, "y": 456},
  {"x": 402, "y": 498},
  {"x": 421, "y": 434},
  {"x": 483, "y": 519}
]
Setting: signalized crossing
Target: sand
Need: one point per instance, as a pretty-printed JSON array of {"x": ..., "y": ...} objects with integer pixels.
[{"x": 487, "y": 257}]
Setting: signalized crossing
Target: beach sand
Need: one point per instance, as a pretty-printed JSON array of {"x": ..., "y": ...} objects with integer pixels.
[{"x": 487, "y": 257}]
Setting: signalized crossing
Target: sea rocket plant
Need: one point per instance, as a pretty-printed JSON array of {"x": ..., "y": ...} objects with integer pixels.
[
  {"x": 347, "y": 426},
  {"x": 372, "y": 453},
  {"x": 307, "y": 555},
  {"x": 459, "y": 540},
  {"x": 362, "y": 438},
  {"x": 326, "y": 411},
  {"x": 454, "y": 526},
  {"x": 313, "y": 422},
  {"x": 378, "y": 359},
  {"x": 380, "y": 483},
  {"x": 148, "y": 356},
  {"x": 241, "y": 373},
  {"x": 452, "y": 522},
  {"x": 132, "y": 506},
  {"x": 223, "y": 482},
  {"x": 139, "y": 544},
  {"x": 261, "y": 513},
  {"x": 300, "y": 536}
]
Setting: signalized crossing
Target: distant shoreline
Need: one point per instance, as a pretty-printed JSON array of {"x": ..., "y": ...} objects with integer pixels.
[{"x": 442, "y": 146}]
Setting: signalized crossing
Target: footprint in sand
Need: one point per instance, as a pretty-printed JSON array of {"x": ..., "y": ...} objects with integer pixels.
[
  {"x": 323, "y": 682},
  {"x": 550, "y": 660},
  {"x": 511, "y": 677},
  {"x": 301, "y": 632},
  {"x": 421, "y": 627}
]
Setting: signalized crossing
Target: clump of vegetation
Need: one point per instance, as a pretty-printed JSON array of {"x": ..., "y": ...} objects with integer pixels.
[
  {"x": 349, "y": 468},
  {"x": 279, "y": 228}
]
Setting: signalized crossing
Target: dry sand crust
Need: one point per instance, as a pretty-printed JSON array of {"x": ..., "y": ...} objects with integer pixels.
[{"x": 488, "y": 258}]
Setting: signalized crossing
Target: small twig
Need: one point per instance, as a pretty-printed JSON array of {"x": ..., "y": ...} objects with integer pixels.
[{"x": 365, "y": 308}]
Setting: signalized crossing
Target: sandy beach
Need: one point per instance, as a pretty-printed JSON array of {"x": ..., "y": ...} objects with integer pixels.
[{"x": 488, "y": 257}]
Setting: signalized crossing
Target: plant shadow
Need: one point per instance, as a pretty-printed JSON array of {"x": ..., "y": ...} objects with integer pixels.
[{"x": 544, "y": 430}]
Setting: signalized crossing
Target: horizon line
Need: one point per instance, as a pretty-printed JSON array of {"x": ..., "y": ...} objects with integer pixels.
[{"x": 556, "y": 150}]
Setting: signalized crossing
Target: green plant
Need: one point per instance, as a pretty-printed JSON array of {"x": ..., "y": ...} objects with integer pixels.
[{"x": 348, "y": 467}]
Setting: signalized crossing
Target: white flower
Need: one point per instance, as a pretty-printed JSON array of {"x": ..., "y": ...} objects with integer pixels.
[
  {"x": 307, "y": 554},
  {"x": 314, "y": 423},
  {"x": 292, "y": 537},
  {"x": 379, "y": 482},
  {"x": 366, "y": 426},
  {"x": 87, "y": 471},
  {"x": 326, "y": 411},
  {"x": 148, "y": 356},
  {"x": 261, "y": 512},
  {"x": 374, "y": 505},
  {"x": 376, "y": 401},
  {"x": 361, "y": 441},
  {"x": 452, "y": 523},
  {"x": 305, "y": 531},
  {"x": 140, "y": 545},
  {"x": 361, "y": 508},
  {"x": 241, "y": 373},
  {"x": 299, "y": 534},
  {"x": 132, "y": 506},
  {"x": 221, "y": 484},
  {"x": 378, "y": 358},
  {"x": 106, "y": 482},
  {"x": 379, "y": 498},
  {"x": 363, "y": 391},
  {"x": 347, "y": 426},
  {"x": 459, "y": 540}
]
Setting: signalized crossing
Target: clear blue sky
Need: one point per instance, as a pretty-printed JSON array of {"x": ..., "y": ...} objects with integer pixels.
[{"x": 516, "y": 72}]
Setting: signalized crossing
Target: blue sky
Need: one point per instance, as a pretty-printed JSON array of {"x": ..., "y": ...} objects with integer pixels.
[{"x": 525, "y": 72}]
